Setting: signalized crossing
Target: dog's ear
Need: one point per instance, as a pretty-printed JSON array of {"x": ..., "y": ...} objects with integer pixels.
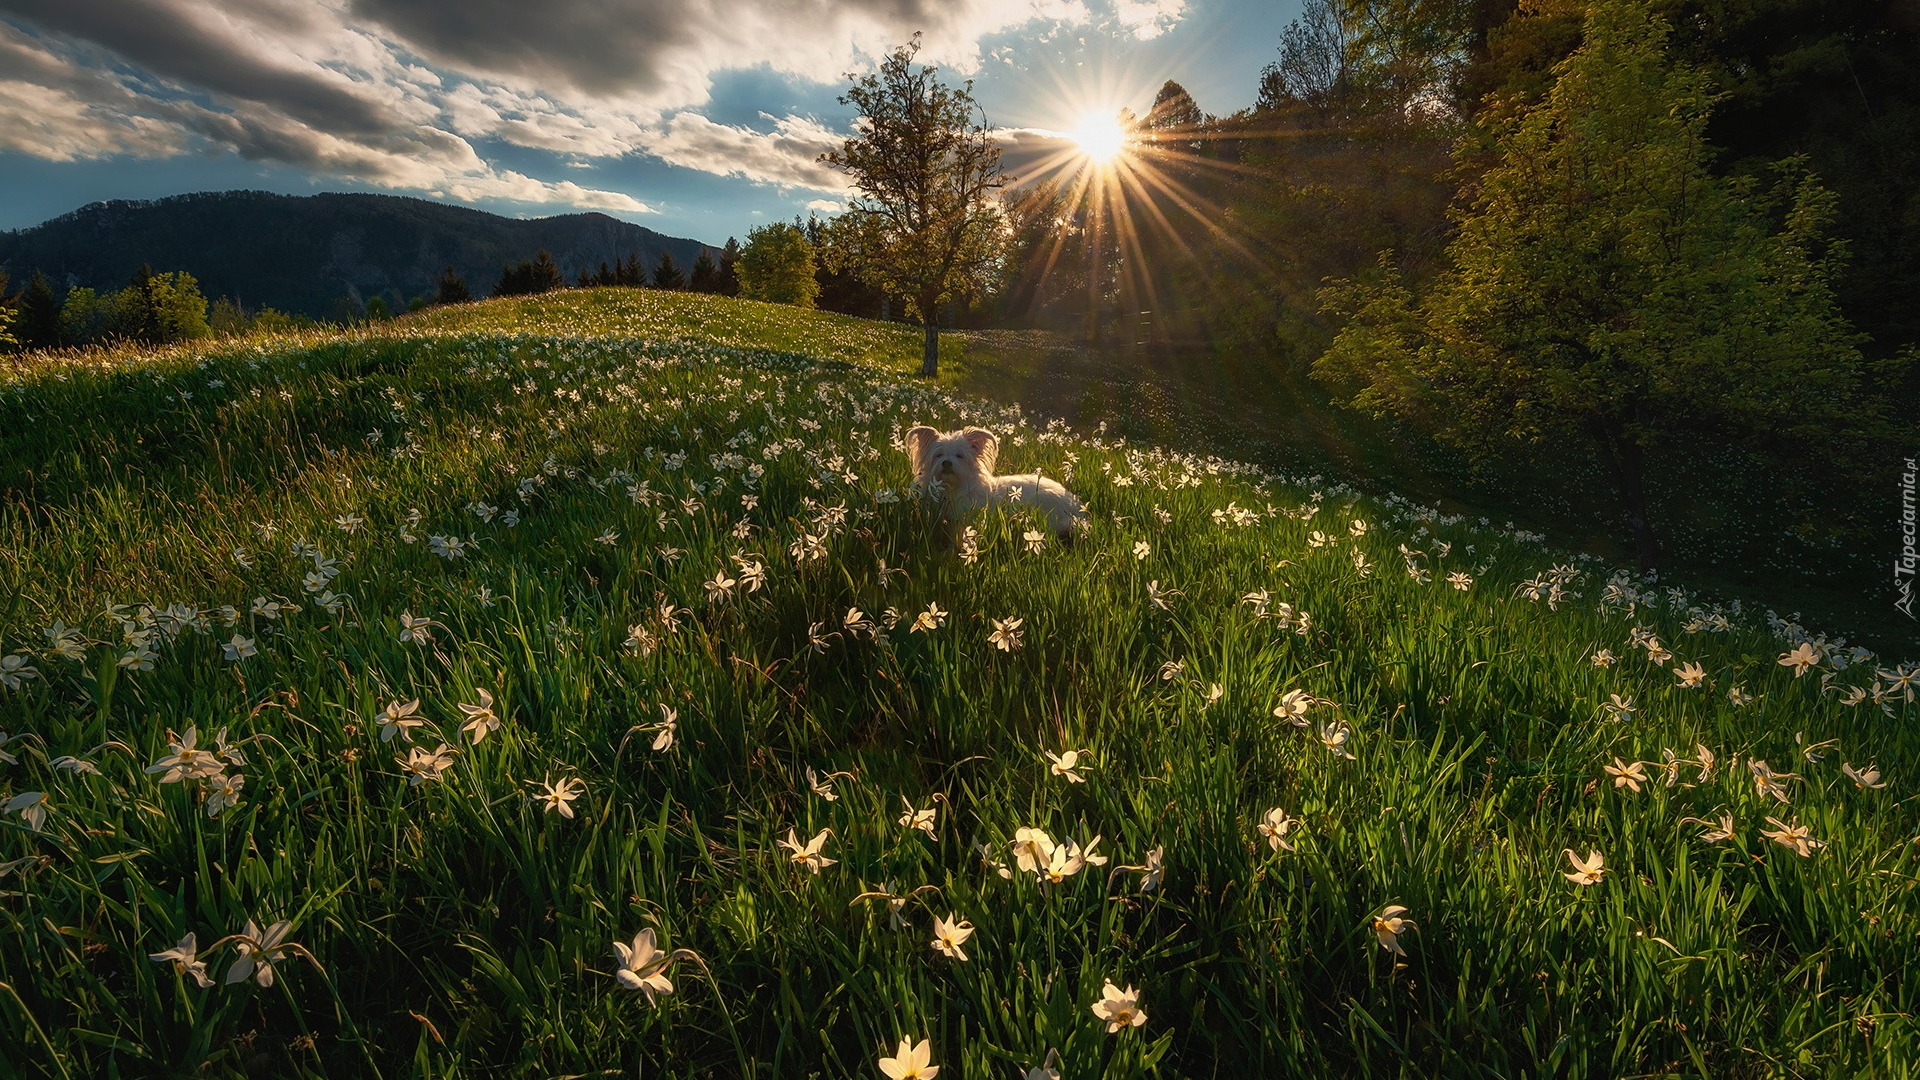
[
  {"x": 986, "y": 448},
  {"x": 917, "y": 442}
]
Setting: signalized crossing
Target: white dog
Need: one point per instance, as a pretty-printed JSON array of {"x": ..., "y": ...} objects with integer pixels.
[{"x": 962, "y": 463}]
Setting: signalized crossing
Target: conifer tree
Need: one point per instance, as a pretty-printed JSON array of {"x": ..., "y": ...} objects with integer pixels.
[
  {"x": 666, "y": 273},
  {"x": 452, "y": 288},
  {"x": 37, "y": 323}
]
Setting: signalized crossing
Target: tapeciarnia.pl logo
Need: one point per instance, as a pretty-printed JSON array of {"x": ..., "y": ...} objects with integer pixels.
[{"x": 1904, "y": 564}]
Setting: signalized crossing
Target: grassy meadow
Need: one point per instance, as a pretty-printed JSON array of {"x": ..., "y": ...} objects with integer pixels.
[{"x": 429, "y": 678}]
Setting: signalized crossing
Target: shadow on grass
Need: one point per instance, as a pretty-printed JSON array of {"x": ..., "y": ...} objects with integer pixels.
[{"x": 1222, "y": 402}]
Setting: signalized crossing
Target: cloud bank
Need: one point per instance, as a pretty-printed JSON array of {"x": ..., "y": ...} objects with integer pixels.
[{"x": 417, "y": 94}]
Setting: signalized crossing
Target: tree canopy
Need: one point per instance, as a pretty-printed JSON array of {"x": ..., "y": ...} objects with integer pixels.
[
  {"x": 923, "y": 223},
  {"x": 1603, "y": 284},
  {"x": 777, "y": 266}
]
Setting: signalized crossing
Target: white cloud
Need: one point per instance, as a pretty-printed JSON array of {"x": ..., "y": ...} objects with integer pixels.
[
  {"x": 826, "y": 206},
  {"x": 46, "y": 122},
  {"x": 407, "y": 93},
  {"x": 787, "y": 156},
  {"x": 1148, "y": 19}
]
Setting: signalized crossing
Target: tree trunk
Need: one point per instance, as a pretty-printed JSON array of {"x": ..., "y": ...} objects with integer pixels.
[
  {"x": 930, "y": 356},
  {"x": 1625, "y": 463}
]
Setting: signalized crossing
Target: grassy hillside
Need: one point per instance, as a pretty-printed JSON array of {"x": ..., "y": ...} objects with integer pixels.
[{"x": 542, "y": 624}]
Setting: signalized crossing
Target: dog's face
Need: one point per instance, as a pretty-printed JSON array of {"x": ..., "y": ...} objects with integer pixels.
[{"x": 956, "y": 456}]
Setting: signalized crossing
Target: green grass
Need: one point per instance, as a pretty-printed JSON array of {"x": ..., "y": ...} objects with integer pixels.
[{"x": 456, "y": 929}]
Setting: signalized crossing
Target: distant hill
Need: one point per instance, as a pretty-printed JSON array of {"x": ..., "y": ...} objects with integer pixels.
[{"x": 304, "y": 254}]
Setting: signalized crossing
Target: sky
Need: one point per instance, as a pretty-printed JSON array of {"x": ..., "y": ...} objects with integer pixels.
[{"x": 697, "y": 118}]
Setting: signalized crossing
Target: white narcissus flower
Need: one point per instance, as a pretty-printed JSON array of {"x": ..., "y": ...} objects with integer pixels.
[
  {"x": 1293, "y": 707},
  {"x": 1335, "y": 736},
  {"x": 643, "y": 966},
  {"x": 918, "y": 819},
  {"x": 259, "y": 951},
  {"x": 399, "y": 718},
  {"x": 187, "y": 761},
  {"x": 481, "y": 719},
  {"x": 238, "y": 648},
  {"x": 808, "y": 854},
  {"x": 1275, "y": 826},
  {"x": 422, "y": 765},
  {"x": 1065, "y": 764},
  {"x": 1863, "y": 778},
  {"x": 1119, "y": 1008},
  {"x": 31, "y": 806},
  {"x": 1801, "y": 658},
  {"x": 1627, "y": 774},
  {"x": 1032, "y": 849},
  {"x": 823, "y": 785},
  {"x": 1795, "y": 836},
  {"x": 1586, "y": 871},
  {"x": 929, "y": 620},
  {"x": 1006, "y": 634},
  {"x": 14, "y": 671},
  {"x": 1715, "y": 831},
  {"x": 1690, "y": 674},
  {"x": 182, "y": 958},
  {"x": 223, "y": 792},
  {"x": 666, "y": 729},
  {"x": 558, "y": 798},
  {"x": 949, "y": 934},
  {"x": 414, "y": 628},
  {"x": 911, "y": 1062},
  {"x": 1387, "y": 928}
]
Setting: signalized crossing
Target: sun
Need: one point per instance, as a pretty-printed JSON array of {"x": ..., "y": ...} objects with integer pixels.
[{"x": 1100, "y": 137}]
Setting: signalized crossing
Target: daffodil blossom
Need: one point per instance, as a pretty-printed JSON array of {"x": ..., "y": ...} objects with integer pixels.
[
  {"x": 481, "y": 719},
  {"x": 15, "y": 671},
  {"x": 31, "y": 806},
  {"x": 918, "y": 819},
  {"x": 643, "y": 966},
  {"x": 422, "y": 765},
  {"x": 223, "y": 793},
  {"x": 1119, "y": 1008},
  {"x": 557, "y": 798},
  {"x": 187, "y": 761},
  {"x": 399, "y": 718},
  {"x": 1628, "y": 775},
  {"x": 910, "y": 1062},
  {"x": 1863, "y": 778},
  {"x": 1801, "y": 658},
  {"x": 184, "y": 961},
  {"x": 1389, "y": 925},
  {"x": 1274, "y": 827},
  {"x": 1065, "y": 765},
  {"x": 808, "y": 854},
  {"x": 1586, "y": 871},
  {"x": 1032, "y": 849},
  {"x": 259, "y": 951},
  {"x": 1795, "y": 836},
  {"x": 1715, "y": 831},
  {"x": 949, "y": 934}
]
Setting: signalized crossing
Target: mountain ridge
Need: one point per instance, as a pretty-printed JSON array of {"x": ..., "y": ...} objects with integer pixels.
[{"x": 320, "y": 255}]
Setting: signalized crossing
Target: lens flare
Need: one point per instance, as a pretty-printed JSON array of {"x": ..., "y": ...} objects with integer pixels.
[{"x": 1100, "y": 137}]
